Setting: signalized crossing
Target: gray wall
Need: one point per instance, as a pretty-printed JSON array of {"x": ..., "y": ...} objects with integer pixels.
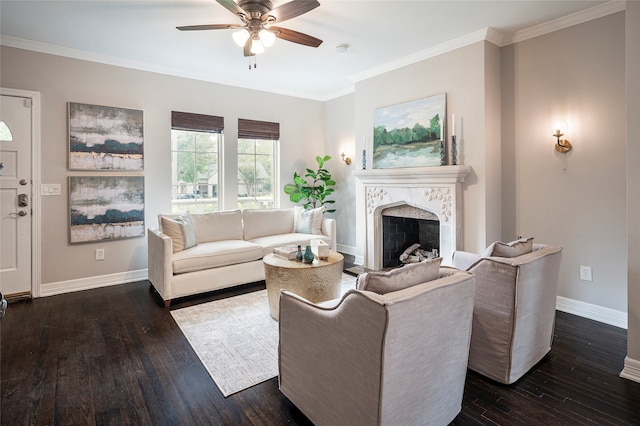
[
  {"x": 60, "y": 80},
  {"x": 339, "y": 116},
  {"x": 576, "y": 200},
  {"x": 633, "y": 177}
]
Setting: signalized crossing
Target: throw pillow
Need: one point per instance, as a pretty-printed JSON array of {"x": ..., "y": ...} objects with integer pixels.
[
  {"x": 513, "y": 249},
  {"x": 308, "y": 221},
  {"x": 181, "y": 231},
  {"x": 400, "y": 278}
]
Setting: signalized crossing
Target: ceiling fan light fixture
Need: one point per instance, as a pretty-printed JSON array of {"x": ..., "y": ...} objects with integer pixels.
[
  {"x": 256, "y": 46},
  {"x": 267, "y": 37},
  {"x": 240, "y": 37}
]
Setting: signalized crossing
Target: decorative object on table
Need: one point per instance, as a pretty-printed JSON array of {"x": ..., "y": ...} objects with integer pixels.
[
  {"x": 315, "y": 193},
  {"x": 286, "y": 252},
  {"x": 454, "y": 148},
  {"x": 105, "y": 138},
  {"x": 320, "y": 248},
  {"x": 408, "y": 134},
  {"x": 364, "y": 159},
  {"x": 299, "y": 254},
  {"x": 308, "y": 255},
  {"x": 105, "y": 208}
]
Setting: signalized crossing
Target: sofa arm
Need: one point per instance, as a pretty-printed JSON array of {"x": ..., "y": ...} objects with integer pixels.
[
  {"x": 160, "y": 254},
  {"x": 463, "y": 260},
  {"x": 329, "y": 229}
]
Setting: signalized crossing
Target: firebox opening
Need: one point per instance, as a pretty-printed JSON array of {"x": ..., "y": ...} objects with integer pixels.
[{"x": 399, "y": 233}]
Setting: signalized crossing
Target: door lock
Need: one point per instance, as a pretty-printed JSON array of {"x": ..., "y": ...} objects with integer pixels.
[
  {"x": 23, "y": 182},
  {"x": 23, "y": 200}
]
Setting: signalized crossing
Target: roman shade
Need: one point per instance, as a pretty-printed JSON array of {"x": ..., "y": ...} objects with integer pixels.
[
  {"x": 254, "y": 129},
  {"x": 196, "y": 122}
]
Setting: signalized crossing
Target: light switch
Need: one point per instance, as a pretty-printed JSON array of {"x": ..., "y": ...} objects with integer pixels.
[{"x": 50, "y": 189}]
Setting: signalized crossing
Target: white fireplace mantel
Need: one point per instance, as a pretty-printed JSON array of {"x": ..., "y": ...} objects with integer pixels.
[{"x": 435, "y": 189}]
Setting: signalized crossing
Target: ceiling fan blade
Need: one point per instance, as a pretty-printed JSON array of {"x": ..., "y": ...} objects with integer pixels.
[
  {"x": 232, "y": 7},
  {"x": 247, "y": 48},
  {"x": 292, "y": 9},
  {"x": 295, "y": 36},
  {"x": 208, "y": 27}
]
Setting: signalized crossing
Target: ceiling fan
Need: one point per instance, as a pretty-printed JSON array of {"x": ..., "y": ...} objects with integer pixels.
[{"x": 257, "y": 30}]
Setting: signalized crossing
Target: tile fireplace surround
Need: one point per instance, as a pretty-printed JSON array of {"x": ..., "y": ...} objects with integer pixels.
[{"x": 433, "y": 189}]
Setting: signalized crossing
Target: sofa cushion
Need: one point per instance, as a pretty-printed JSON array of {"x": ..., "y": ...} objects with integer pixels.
[
  {"x": 181, "y": 231},
  {"x": 271, "y": 241},
  {"x": 512, "y": 249},
  {"x": 308, "y": 221},
  {"x": 399, "y": 278},
  {"x": 218, "y": 226},
  {"x": 263, "y": 222},
  {"x": 215, "y": 254}
]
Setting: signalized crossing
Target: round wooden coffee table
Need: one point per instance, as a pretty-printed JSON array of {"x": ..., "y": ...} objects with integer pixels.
[{"x": 317, "y": 282}]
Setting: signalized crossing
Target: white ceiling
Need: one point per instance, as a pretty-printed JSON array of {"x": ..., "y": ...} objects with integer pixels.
[{"x": 382, "y": 35}]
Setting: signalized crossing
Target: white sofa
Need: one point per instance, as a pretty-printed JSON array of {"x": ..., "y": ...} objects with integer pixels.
[{"x": 229, "y": 249}]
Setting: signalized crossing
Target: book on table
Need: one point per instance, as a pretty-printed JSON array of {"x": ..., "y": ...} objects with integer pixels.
[{"x": 286, "y": 252}]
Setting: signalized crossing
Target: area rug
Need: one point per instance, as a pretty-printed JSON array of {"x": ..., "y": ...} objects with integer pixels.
[{"x": 236, "y": 339}]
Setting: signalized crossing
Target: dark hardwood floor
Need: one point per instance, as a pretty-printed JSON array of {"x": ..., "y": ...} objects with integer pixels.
[{"x": 115, "y": 356}]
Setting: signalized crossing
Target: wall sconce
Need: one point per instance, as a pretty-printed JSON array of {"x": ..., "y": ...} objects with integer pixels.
[
  {"x": 346, "y": 159},
  {"x": 562, "y": 145}
]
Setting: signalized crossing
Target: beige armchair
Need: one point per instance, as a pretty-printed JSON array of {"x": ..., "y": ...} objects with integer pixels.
[
  {"x": 514, "y": 313},
  {"x": 398, "y": 358}
]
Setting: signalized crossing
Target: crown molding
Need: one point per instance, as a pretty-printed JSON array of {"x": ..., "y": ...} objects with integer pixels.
[
  {"x": 457, "y": 43},
  {"x": 568, "y": 21},
  {"x": 84, "y": 55}
]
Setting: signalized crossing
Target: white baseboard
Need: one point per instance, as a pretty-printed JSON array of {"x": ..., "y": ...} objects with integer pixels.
[
  {"x": 594, "y": 312},
  {"x": 358, "y": 260},
  {"x": 346, "y": 249},
  {"x": 51, "y": 289},
  {"x": 631, "y": 369},
  {"x": 575, "y": 307}
]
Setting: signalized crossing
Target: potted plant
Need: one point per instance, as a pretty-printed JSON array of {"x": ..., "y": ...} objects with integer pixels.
[{"x": 313, "y": 193}]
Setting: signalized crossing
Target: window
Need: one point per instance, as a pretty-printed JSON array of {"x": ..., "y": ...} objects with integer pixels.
[
  {"x": 195, "y": 162},
  {"x": 5, "y": 132},
  {"x": 257, "y": 164}
]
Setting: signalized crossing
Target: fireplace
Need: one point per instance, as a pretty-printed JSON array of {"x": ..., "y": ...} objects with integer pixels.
[
  {"x": 433, "y": 193},
  {"x": 405, "y": 226}
]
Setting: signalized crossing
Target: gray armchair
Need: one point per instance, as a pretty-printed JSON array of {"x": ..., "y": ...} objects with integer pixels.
[
  {"x": 398, "y": 358},
  {"x": 514, "y": 313}
]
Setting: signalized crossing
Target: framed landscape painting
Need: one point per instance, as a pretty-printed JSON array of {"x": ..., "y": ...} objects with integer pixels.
[
  {"x": 409, "y": 134},
  {"x": 105, "y": 208},
  {"x": 105, "y": 138}
]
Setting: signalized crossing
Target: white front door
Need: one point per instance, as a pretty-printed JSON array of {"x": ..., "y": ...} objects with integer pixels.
[{"x": 15, "y": 195}]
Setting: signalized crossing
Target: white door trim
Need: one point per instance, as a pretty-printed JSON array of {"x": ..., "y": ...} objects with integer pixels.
[{"x": 36, "y": 221}]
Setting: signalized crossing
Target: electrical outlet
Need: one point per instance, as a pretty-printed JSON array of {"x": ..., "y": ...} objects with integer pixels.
[
  {"x": 99, "y": 254},
  {"x": 585, "y": 273}
]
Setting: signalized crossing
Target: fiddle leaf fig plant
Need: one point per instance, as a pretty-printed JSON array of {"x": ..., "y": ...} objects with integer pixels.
[{"x": 314, "y": 192}]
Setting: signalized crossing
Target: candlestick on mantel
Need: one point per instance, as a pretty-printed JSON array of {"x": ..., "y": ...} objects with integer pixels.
[
  {"x": 454, "y": 151},
  {"x": 453, "y": 124}
]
